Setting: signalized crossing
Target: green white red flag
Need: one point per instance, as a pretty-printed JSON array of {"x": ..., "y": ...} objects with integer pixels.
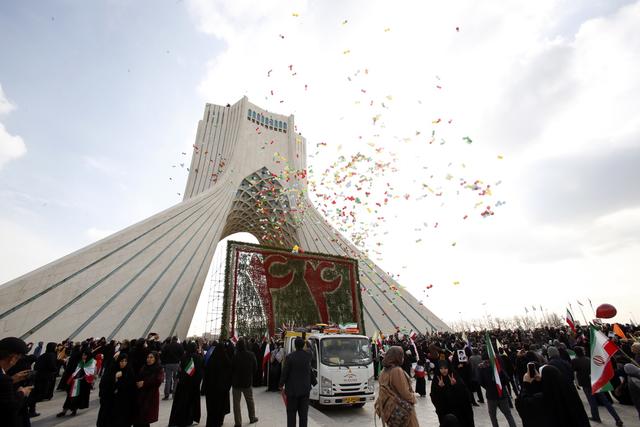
[
  {"x": 495, "y": 364},
  {"x": 601, "y": 369},
  {"x": 570, "y": 321},
  {"x": 190, "y": 369}
]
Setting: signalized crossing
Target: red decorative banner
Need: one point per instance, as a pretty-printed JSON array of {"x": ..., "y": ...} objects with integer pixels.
[{"x": 267, "y": 288}]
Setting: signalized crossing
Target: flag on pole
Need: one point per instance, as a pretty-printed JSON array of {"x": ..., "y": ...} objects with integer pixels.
[
  {"x": 570, "y": 321},
  {"x": 601, "y": 370},
  {"x": 495, "y": 364},
  {"x": 267, "y": 353},
  {"x": 413, "y": 335},
  {"x": 618, "y": 331},
  {"x": 190, "y": 369},
  {"x": 498, "y": 345}
]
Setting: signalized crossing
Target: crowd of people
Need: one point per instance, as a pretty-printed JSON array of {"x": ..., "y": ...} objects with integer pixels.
[{"x": 541, "y": 373}]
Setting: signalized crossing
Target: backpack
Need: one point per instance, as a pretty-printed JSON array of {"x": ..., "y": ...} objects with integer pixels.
[{"x": 391, "y": 408}]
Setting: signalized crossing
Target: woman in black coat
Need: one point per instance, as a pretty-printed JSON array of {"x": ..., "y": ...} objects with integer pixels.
[
  {"x": 548, "y": 401},
  {"x": 216, "y": 385},
  {"x": 450, "y": 396},
  {"x": 117, "y": 393},
  {"x": 148, "y": 381},
  {"x": 185, "y": 409},
  {"x": 46, "y": 367}
]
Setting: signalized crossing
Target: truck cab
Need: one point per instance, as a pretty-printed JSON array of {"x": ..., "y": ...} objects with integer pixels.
[{"x": 342, "y": 365}]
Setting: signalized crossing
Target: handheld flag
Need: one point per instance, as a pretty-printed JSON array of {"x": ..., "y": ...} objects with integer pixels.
[
  {"x": 495, "y": 364},
  {"x": 190, "y": 369},
  {"x": 266, "y": 356},
  {"x": 570, "y": 321},
  {"x": 601, "y": 369}
]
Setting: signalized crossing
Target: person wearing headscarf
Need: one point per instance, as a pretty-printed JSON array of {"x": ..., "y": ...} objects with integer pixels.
[
  {"x": 148, "y": 382},
  {"x": 450, "y": 396},
  {"x": 397, "y": 380},
  {"x": 117, "y": 392},
  {"x": 421, "y": 382},
  {"x": 70, "y": 366},
  {"x": 45, "y": 367},
  {"x": 275, "y": 367},
  {"x": 548, "y": 401},
  {"x": 217, "y": 384},
  {"x": 80, "y": 384},
  {"x": 185, "y": 408}
]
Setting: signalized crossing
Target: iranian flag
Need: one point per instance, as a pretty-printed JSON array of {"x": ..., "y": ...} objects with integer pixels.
[
  {"x": 495, "y": 364},
  {"x": 267, "y": 353},
  {"x": 601, "y": 369},
  {"x": 570, "y": 321},
  {"x": 190, "y": 369}
]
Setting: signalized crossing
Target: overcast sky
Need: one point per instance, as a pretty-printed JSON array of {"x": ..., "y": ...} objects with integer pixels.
[{"x": 99, "y": 99}]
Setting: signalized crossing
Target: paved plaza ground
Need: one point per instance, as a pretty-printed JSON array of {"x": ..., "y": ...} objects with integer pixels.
[{"x": 271, "y": 412}]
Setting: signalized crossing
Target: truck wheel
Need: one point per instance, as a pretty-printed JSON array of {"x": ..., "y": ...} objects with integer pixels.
[{"x": 358, "y": 405}]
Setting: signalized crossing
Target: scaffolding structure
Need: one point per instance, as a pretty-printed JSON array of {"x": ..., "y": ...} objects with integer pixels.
[{"x": 216, "y": 291}]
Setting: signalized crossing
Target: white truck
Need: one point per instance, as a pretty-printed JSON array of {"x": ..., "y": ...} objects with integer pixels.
[{"x": 342, "y": 365}]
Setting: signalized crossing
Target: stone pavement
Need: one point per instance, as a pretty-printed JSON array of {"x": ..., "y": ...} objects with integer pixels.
[{"x": 271, "y": 413}]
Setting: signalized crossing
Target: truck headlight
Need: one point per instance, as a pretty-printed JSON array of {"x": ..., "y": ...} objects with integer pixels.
[
  {"x": 326, "y": 386},
  {"x": 371, "y": 383}
]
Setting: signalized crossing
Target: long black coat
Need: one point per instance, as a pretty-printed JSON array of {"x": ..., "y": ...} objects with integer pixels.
[
  {"x": 452, "y": 399},
  {"x": 216, "y": 386},
  {"x": 296, "y": 374},
  {"x": 46, "y": 368},
  {"x": 117, "y": 397},
  {"x": 185, "y": 409},
  {"x": 11, "y": 402},
  {"x": 551, "y": 402}
]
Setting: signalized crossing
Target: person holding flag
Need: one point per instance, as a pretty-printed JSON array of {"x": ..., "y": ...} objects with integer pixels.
[
  {"x": 601, "y": 368},
  {"x": 185, "y": 408},
  {"x": 582, "y": 367},
  {"x": 492, "y": 378},
  {"x": 80, "y": 384}
]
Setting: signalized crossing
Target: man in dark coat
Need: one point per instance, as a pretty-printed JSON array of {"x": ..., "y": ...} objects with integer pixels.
[
  {"x": 495, "y": 400},
  {"x": 243, "y": 367},
  {"x": 12, "y": 400},
  {"x": 171, "y": 356},
  {"x": 297, "y": 380}
]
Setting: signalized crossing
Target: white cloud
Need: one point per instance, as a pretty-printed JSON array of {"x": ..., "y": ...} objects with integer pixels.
[{"x": 11, "y": 146}]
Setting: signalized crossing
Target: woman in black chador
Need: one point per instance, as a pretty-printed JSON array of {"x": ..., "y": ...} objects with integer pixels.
[
  {"x": 449, "y": 396},
  {"x": 217, "y": 383},
  {"x": 117, "y": 394},
  {"x": 185, "y": 409}
]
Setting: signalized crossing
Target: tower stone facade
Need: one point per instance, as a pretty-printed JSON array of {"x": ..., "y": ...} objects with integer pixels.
[{"x": 246, "y": 175}]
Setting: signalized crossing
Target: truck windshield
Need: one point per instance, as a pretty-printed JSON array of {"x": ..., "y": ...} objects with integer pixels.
[{"x": 345, "y": 351}]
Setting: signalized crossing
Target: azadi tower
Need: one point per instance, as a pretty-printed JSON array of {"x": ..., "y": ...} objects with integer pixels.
[{"x": 244, "y": 177}]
